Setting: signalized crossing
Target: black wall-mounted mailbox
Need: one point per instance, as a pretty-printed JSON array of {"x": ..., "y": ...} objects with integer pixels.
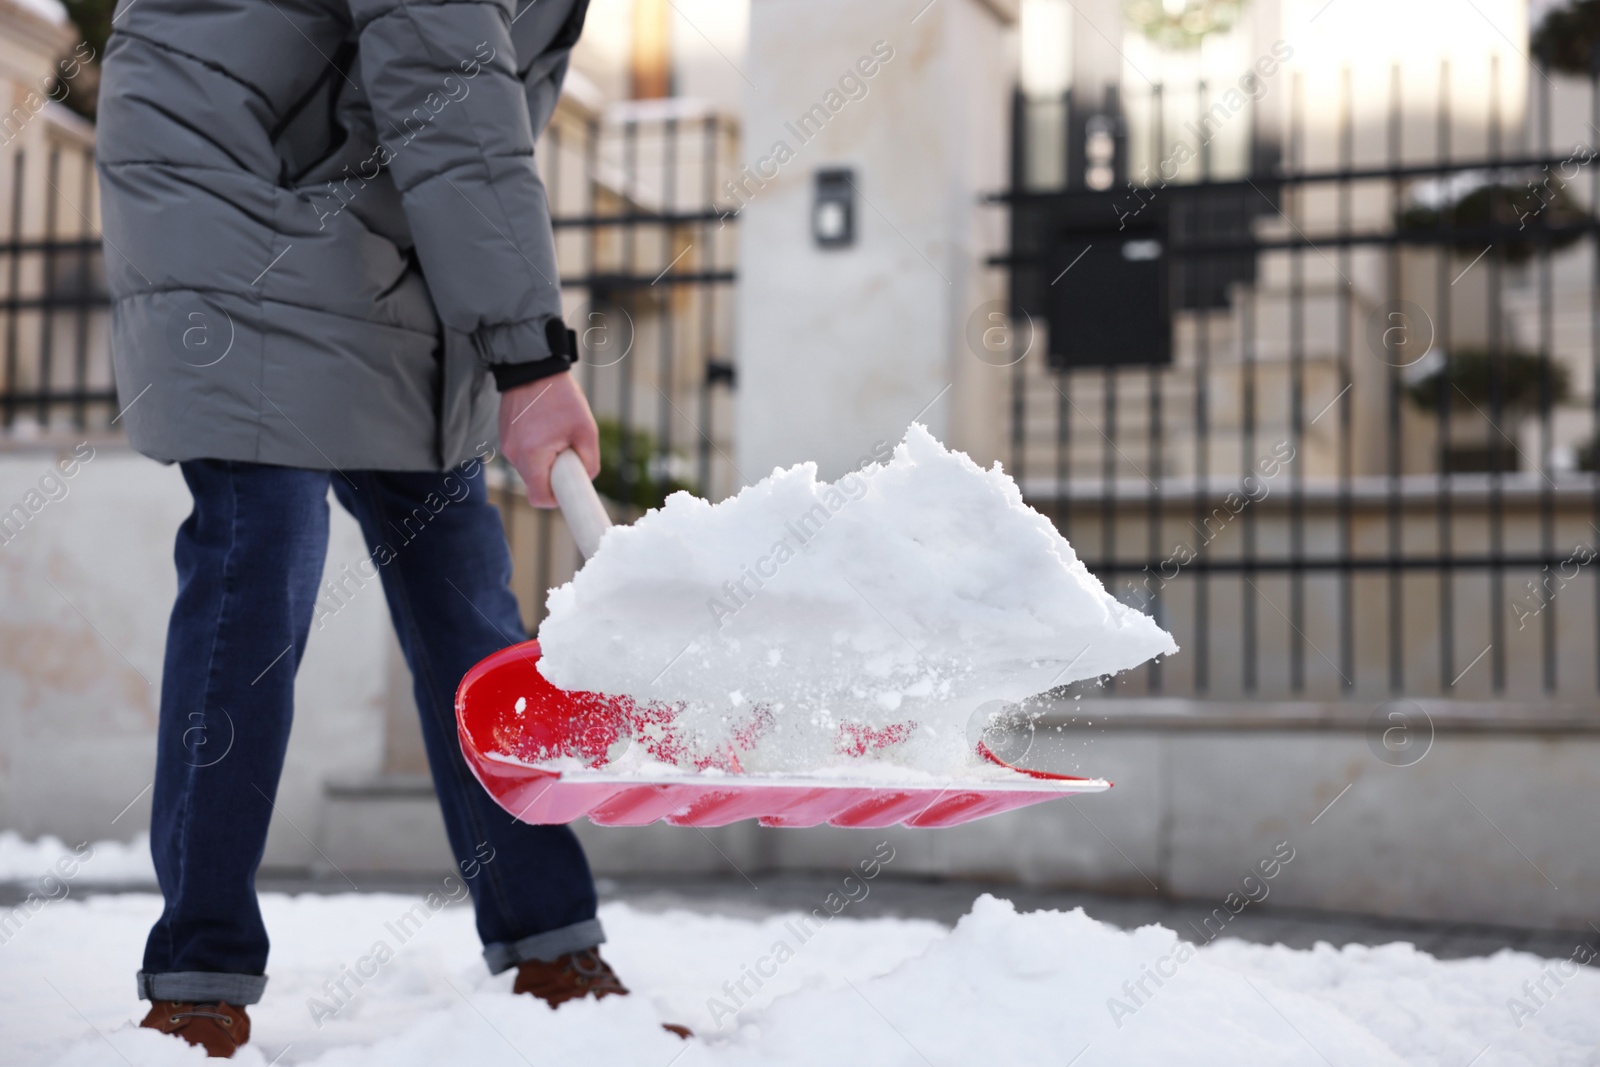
[{"x": 833, "y": 209}]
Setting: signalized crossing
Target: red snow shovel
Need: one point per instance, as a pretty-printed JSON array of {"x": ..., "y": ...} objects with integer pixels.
[{"x": 515, "y": 726}]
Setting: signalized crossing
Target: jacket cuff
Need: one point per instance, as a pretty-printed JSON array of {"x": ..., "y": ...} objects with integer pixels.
[
  {"x": 508, "y": 376},
  {"x": 561, "y": 343}
]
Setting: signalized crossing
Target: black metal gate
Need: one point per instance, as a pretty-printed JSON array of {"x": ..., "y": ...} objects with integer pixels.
[{"x": 1332, "y": 418}]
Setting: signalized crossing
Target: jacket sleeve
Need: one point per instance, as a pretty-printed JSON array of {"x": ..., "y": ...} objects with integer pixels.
[{"x": 452, "y": 115}]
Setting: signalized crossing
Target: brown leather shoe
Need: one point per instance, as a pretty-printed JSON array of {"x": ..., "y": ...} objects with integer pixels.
[
  {"x": 218, "y": 1028},
  {"x": 570, "y": 977},
  {"x": 574, "y": 976}
]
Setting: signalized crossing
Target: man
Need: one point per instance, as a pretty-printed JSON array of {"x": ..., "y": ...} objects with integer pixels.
[{"x": 332, "y": 265}]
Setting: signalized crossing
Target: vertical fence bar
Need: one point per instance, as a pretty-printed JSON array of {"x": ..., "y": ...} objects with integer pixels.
[
  {"x": 541, "y": 525},
  {"x": 1019, "y": 411},
  {"x": 83, "y": 285},
  {"x": 1248, "y": 385},
  {"x": 1108, "y": 469},
  {"x": 1153, "y": 502},
  {"x": 1063, "y": 448},
  {"x": 47, "y": 291},
  {"x": 1547, "y": 488},
  {"x": 1021, "y": 150},
  {"x": 1594, "y": 339},
  {"x": 1297, "y": 371},
  {"x": 1395, "y": 587},
  {"x": 508, "y": 520},
  {"x": 591, "y": 373},
  {"x": 1070, "y": 179},
  {"x": 14, "y": 287},
  {"x": 1247, "y": 416},
  {"x": 1158, "y": 126},
  {"x": 1156, "y": 504},
  {"x": 668, "y": 301},
  {"x": 1345, "y": 508},
  {"x": 543, "y": 577},
  {"x": 1202, "y": 449},
  {"x": 629, "y": 268},
  {"x": 591, "y": 166},
  {"x": 708, "y": 264},
  {"x": 1495, "y": 263},
  {"x": 1016, "y": 177},
  {"x": 1443, "y": 282}
]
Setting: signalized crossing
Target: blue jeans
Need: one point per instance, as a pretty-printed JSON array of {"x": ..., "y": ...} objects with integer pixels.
[{"x": 250, "y": 559}]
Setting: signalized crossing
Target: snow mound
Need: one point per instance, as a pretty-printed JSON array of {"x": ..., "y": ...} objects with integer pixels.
[
  {"x": 1046, "y": 988},
  {"x": 100, "y": 863},
  {"x": 804, "y": 613}
]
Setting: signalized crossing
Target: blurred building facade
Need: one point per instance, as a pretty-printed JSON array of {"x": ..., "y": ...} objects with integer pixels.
[{"x": 1284, "y": 311}]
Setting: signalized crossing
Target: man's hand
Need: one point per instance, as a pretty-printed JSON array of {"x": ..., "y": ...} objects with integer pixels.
[{"x": 538, "y": 422}]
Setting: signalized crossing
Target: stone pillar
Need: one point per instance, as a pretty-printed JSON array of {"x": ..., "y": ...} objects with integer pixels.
[{"x": 842, "y": 346}]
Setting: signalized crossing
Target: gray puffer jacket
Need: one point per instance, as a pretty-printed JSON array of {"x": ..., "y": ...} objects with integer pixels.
[{"x": 324, "y": 227}]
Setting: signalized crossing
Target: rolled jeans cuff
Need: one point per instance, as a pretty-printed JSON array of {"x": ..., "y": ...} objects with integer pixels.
[
  {"x": 202, "y": 987},
  {"x": 504, "y": 955}
]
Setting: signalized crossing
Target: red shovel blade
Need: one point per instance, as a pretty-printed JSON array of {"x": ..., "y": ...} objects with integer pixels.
[{"x": 510, "y": 718}]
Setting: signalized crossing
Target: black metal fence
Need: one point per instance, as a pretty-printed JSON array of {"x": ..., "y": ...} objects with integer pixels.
[
  {"x": 1325, "y": 403},
  {"x": 1331, "y": 416},
  {"x": 648, "y": 272},
  {"x": 648, "y": 259},
  {"x": 648, "y": 262},
  {"x": 57, "y": 370}
]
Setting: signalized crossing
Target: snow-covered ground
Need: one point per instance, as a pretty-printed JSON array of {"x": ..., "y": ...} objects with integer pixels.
[{"x": 1000, "y": 988}]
